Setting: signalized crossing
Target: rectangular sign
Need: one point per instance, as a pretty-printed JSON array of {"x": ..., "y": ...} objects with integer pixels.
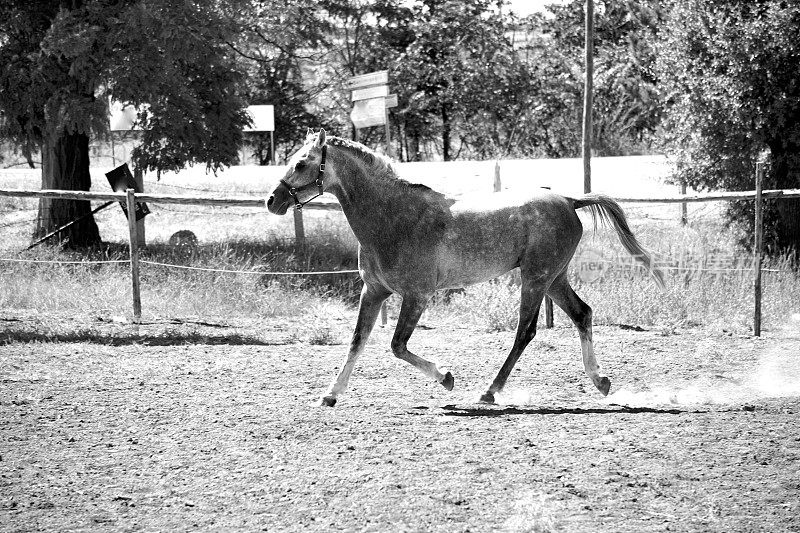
[
  {"x": 380, "y": 77},
  {"x": 368, "y": 113},
  {"x": 263, "y": 117},
  {"x": 121, "y": 180},
  {"x": 370, "y": 92},
  {"x": 391, "y": 101}
]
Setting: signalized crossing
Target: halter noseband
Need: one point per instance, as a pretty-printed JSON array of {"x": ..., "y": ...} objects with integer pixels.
[{"x": 316, "y": 183}]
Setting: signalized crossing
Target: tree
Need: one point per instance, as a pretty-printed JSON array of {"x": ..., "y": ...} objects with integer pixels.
[
  {"x": 626, "y": 105},
  {"x": 364, "y": 36},
  {"x": 278, "y": 62},
  {"x": 457, "y": 69},
  {"x": 63, "y": 61},
  {"x": 730, "y": 72}
]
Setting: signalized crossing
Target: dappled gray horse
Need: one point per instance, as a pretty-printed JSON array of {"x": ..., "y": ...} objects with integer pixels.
[{"x": 414, "y": 241}]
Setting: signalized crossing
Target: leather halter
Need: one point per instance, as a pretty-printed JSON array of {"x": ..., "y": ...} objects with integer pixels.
[{"x": 318, "y": 183}]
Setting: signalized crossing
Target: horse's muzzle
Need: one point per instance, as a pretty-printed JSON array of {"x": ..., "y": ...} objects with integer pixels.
[{"x": 277, "y": 207}]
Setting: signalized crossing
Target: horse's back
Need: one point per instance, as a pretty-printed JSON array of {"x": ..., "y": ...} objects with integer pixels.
[{"x": 491, "y": 234}]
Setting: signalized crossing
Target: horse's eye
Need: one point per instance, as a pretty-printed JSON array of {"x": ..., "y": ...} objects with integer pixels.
[{"x": 300, "y": 165}]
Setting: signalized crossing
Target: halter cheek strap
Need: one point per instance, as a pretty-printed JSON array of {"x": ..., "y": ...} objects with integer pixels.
[{"x": 318, "y": 183}]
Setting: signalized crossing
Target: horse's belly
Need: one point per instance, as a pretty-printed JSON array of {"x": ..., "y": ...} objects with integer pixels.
[
  {"x": 461, "y": 271},
  {"x": 466, "y": 259}
]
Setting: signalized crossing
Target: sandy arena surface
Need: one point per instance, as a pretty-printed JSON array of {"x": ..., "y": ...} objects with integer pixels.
[{"x": 143, "y": 433}]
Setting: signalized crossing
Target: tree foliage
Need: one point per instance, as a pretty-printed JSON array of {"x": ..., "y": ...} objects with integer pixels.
[
  {"x": 277, "y": 64},
  {"x": 730, "y": 74},
  {"x": 62, "y": 62},
  {"x": 626, "y": 107}
]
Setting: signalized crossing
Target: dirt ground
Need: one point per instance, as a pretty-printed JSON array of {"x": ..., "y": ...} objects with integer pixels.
[{"x": 213, "y": 429}]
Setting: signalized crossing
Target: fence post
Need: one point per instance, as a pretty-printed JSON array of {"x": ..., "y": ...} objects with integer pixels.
[
  {"x": 138, "y": 178},
  {"x": 134, "y": 252},
  {"x": 684, "y": 211},
  {"x": 497, "y": 184},
  {"x": 758, "y": 249}
]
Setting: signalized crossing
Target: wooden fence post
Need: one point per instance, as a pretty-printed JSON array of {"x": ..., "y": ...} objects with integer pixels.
[
  {"x": 497, "y": 183},
  {"x": 130, "y": 200},
  {"x": 684, "y": 210},
  {"x": 588, "y": 88},
  {"x": 758, "y": 249},
  {"x": 138, "y": 177}
]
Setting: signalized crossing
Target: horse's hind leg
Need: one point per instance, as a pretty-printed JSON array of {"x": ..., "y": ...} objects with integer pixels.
[
  {"x": 410, "y": 311},
  {"x": 530, "y": 302},
  {"x": 368, "y": 309},
  {"x": 581, "y": 315}
]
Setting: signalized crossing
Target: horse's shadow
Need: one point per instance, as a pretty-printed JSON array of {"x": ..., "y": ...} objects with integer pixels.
[{"x": 506, "y": 410}]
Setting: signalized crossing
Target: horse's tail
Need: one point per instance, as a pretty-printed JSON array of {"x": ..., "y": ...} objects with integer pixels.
[{"x": 607, "y": 210}]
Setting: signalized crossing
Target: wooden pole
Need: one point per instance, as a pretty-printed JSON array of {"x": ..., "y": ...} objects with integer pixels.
[
  {"x": 113, "y": 151},
  {"x": 384, "y": 314},
  {"x": 758, "y": 250},
  {"x": 548, "y": 312},
  {"x": 134, "y": 247},
  {"x": 258, "y": 201},
  {"x": 388, "y": 134},
  {"x": 497, "y": 183},
  {"x": 587, "y": 98},
  {"x": 684, "y": 211},
  {"x": 68, "y": 224},
  {"x": 138, "y": 178}
]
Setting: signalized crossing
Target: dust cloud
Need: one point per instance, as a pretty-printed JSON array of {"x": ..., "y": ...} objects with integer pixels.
[{"x": 776, "y": 375}]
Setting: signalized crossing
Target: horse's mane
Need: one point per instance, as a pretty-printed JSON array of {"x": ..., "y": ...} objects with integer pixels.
[{"x": 380, "y": 165}]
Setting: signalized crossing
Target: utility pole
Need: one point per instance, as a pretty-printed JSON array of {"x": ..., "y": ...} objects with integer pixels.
[{"x": 587, "y": 98}]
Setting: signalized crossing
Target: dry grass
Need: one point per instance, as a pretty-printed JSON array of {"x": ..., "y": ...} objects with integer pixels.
[
  {"x": 104, "y": 289},
  {"x": 696, "y": 294},
  {"x": 325, "y": 304}
]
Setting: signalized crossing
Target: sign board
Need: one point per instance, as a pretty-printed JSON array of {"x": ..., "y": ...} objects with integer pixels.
[
  {"x": 123, "y": 118},
  {"x": 263, "y": 117},
  {"x": 370, "y": 92},
  {"x": 121, "y": 180},
  {"x": 381, "y": 77},
  {"x": 591, "y": 266},
  {"x": 391, "y": 101},
  {"x": 368, "y": 113}
]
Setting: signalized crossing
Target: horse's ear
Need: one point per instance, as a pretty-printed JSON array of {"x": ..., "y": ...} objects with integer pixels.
[
  {"x": 321, "y": 137},
  {"x": 309, "y": 133}
]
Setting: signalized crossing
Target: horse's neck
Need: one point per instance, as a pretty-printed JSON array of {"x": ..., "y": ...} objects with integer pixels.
[{"x": 378, "y": 207}]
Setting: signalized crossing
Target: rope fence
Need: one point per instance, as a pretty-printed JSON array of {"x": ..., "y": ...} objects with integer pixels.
[
  {"x": 131, "y": 198},
  {"x": 255, "y": 272}
]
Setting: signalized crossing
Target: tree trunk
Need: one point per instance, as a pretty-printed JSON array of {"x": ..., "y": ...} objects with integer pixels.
[{"x": 65, "y": 165}]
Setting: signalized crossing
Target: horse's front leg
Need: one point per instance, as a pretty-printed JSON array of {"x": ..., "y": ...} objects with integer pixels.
[
  {"x": 410, "y": 311},
  {"x": 369, "y": 306}
]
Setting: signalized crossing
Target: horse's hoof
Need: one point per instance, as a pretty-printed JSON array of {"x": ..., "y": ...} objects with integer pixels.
[
  {"x": 448, "y": 382},
  {"x": 604, "y": 385},
  {"x": 327, "y": 401},
  {"x": 487, "y": 397}
]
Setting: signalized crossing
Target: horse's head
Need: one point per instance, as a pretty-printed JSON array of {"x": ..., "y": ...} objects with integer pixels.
[{"x": 304, "y": 177}]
